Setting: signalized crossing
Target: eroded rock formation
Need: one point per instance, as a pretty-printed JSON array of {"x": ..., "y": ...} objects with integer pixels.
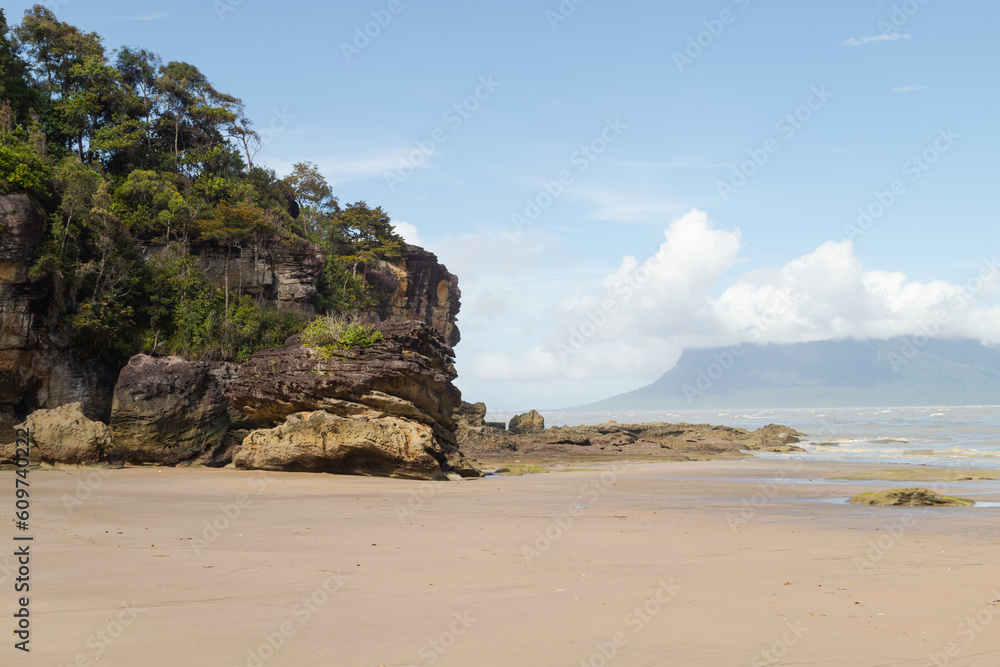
[
  {"x": 373, "y": 444},
  {"x": 423, "y": 290},
  {"x": 280, "y": 274},
  {"x": 406, "y": 376},
  {"x": 63, "y": 435},
  {"x": 529, "y": 422},
  {"x": 168, "y": 410},
  {"x": 471, "y": 415}
]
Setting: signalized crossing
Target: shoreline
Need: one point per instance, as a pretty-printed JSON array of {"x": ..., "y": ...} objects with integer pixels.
[{"x": 667, "y": 563}]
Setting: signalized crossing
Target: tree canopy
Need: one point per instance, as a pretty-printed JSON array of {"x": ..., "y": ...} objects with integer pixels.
[{"x": 124, "y": 153}]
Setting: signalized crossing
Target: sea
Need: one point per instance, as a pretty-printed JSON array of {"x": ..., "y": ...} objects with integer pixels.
[{"x": 967, "y": 436}]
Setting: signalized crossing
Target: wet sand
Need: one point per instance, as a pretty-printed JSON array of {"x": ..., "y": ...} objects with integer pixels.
[{"x": 701, "y": 563}]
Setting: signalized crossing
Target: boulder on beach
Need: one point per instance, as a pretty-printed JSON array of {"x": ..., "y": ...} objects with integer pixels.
[
  {"x": 915, "y": 497},
  {"x": 64, "y": 435},
  {"x": 529, "y": 422},
  {"x": 169, "y": 410},
  {"x": 375, "y": 445}
]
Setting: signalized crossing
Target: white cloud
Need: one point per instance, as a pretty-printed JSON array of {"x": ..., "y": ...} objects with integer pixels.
[
  {"x": 884, "y": 37},
  {"x": 908, "y": 89},
  {"x": 409, "y": 232},
  {"x": 646, "y": 311},
  {"x": 624, "y": 206},
  {"x": 151, "y": 16}
]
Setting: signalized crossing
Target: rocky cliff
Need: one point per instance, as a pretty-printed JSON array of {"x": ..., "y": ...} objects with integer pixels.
[
  {"x": 423, "y": 290},
  {"x": 171, "y": 411},
  {"x": 280, "y": 274},
  {"x": 38, "y": 367}
]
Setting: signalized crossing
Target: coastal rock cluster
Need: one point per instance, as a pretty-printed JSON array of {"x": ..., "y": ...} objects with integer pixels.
[
  {"x": 655, "y": 439},
  {"x": 384, "y": 410},
  {"x": 390, "y": 409}
]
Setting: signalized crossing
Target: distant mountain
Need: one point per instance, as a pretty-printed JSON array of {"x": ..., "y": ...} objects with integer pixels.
[{"x": 844, "y": 373}]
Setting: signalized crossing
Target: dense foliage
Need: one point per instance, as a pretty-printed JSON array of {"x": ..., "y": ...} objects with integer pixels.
[
  {"x": 326, "y": 335},
  {"x": 125, "y": 153}
]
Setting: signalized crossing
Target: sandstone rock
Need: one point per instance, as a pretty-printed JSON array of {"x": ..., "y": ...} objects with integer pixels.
[
  {"x": 169, "y": 410},
  {"x": 497, "y": 426},
  {"x": 407, "y": 376},
  {"x": 39, "y": 368},
  {"x": 527, "y": 423},
  {"x": 471, "y": 415},
  {"x": 423, "y": 290},
  {"x": 370, "y": 444},
  {"x": 64, "y": 435}
]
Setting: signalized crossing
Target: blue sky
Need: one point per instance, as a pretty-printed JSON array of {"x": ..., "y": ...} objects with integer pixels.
[{"x": 799, "y": 112}]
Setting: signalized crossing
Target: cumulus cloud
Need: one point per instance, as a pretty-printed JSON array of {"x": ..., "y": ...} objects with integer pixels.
[
  {"x": 647, "y": 310},
  {"x": 409, "y": 232}
]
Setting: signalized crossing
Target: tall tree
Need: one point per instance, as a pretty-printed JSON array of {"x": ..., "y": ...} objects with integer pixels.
[
  {"x": 14, "y": 88},
  {"x": 198, "y": 112},
  {"x": 369, "y": 233},
  {"x": 317, "y": 205},
  {"x": 139, "y": 70},
  {"x": 76, "y": 185},
  {"x": 53, "y": 49}
]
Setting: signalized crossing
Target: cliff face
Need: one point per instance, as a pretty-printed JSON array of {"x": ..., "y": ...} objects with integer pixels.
[
  {"x": 282, "y": 275},
  {"x": 38, "y": 367},
  {"x": 424, "y": 291}
]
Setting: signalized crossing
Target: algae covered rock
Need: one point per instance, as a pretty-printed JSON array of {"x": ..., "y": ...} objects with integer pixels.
[
  {"x": 773, "y": 438},
  {"x": 915, "y": 497}
]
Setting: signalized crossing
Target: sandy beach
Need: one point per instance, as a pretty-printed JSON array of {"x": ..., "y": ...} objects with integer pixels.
[{"x": 718, "y": 563}]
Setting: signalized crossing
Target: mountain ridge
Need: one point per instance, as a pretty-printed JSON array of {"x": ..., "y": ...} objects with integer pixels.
[{"x": 823, "y": 374}]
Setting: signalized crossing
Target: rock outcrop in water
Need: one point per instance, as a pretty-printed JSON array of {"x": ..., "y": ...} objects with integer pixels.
[
  {"x": 773, "y": 438},
  {"x": 399, "y": 392}
]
